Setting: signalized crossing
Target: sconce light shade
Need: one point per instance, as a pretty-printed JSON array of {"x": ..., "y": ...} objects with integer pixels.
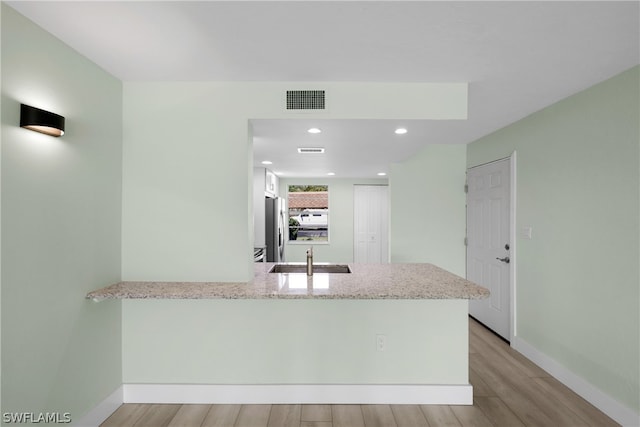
[{"x": 41, "y": 121}]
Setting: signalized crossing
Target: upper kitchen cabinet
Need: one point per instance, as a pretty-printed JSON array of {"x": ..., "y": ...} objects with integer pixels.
[
  {"x": 265, "y": 182},
  {"x": 271, "y": 184}
]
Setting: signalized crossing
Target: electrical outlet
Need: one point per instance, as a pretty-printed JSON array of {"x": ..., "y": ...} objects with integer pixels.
[{"x": 381, "y": 342}]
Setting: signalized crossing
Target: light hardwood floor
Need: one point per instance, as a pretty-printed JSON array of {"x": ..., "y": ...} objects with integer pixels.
[{"x": 509, "y": 390}]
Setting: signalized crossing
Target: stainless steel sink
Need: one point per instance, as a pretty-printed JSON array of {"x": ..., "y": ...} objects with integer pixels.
[{"x": 317, "y": 268}]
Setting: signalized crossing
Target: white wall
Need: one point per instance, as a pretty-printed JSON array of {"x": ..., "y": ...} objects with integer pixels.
[
  {"x": 428, "y": 219},
  {"x": 61, "y": 209},
  {"x": 340, "y": 246}
]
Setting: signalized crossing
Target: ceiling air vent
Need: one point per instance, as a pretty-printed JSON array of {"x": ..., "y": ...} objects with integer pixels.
[
  {"x": 301, "y": 100},
  {"x": 310, "y": 150}
]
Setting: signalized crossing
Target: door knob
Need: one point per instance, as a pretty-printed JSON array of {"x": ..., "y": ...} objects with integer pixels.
[{"x": 505, "y": 259}]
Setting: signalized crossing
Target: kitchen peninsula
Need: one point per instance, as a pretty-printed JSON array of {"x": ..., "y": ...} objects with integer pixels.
[{"x": 384, "y": 333}]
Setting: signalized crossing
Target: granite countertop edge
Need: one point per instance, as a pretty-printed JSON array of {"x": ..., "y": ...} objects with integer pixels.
[{"x": 366, "y": 282}]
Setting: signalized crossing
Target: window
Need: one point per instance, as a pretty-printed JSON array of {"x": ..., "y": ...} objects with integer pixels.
[{"x": 308, "y": 213}]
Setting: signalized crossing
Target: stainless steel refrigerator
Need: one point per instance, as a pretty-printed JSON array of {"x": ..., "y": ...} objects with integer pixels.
[{"x": 275, "y": 227}]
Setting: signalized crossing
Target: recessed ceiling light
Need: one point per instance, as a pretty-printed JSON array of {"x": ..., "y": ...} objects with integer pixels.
[
  {"x": 331, "y": 173},
  {"x": 267, "y": 162},
  {"x": 382, "y": 173},
  {"x": 314, "y": 130},
  {"x": 400, "y": 131}
]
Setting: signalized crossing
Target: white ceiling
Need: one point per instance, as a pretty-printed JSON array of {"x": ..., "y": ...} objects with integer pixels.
[{"x": 518, "y": 57}]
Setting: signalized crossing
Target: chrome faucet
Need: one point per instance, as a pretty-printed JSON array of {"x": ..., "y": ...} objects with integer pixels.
[{"x": 310, "y": 261}]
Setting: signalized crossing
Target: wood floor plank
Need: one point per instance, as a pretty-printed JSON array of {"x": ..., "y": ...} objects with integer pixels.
[
  {"x": 253, "y": 416},
  {"x": 316, "y": 413},
  {"x": 440, "y": 416},
  {"x": 506, "y": 370},
  {"x": 511, "y": 375},
  {"x": 585, "y": 410},
  {"x": 316, "y": 424},
  {"x": 480, "y": 388},
  {"x": 126, "y": 415},
  {"x": 378, "y": 416},
  {"x": 486, "y": 342},
  {"x": 158, "y": 416},
  {"x": 189, "y": 416},
  {"x": 530, "y": 369},
  {"x": 409, "y": 416},
  {"x": 475, "y": 327},
  {"x": 497, "y": 412},
  {"x": 528, "y": 412},
  {"x": 285, "y": 416},
  {"x": 471, "y": 416},
  {"x": 222, "y": 416},
  {"x": 529, "y": 390},
  {"x": 554, "y": 409},
  {"x": 512, "y": 367},
  {"x": 347, "y": 416}
]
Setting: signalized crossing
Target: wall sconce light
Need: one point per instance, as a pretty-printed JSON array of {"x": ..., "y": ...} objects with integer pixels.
[{"x": 41, "y": 121}]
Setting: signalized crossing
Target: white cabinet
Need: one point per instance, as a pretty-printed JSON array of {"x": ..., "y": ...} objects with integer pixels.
[
  {"x": 265, "y": 182},
  {"x": 270, "y": 184}
]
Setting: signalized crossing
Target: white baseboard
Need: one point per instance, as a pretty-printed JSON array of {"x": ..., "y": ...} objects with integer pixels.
[
  {"x": 101, "y": 412},
  {"x": 614, "y": 409},
  {"x": 299, "y": 394}
]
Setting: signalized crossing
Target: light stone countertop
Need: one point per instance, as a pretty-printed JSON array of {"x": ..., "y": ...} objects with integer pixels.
[{"x": 366, "y": 281}]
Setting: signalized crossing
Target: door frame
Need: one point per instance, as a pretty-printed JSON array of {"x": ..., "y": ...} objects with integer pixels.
[{"x": 513, "y": 331}]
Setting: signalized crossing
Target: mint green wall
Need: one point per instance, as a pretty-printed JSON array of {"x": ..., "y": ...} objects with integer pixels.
[
  {"x": 428, "y": 219},
  {"x": 187, "y": 216},
  {"x": 187, "y": 186},
  {"x": 61, "y": 204},
  {"x": 294, "y": 341},
  {"x": 340, "y": 247},
  {"x": 577, "y": 187},
  {"x": 185, "y": 183}
]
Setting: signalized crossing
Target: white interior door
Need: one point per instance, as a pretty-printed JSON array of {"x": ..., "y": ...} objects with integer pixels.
[
  {"x": 371, "y": 224},
  {"x": 489, "y": 242}
]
